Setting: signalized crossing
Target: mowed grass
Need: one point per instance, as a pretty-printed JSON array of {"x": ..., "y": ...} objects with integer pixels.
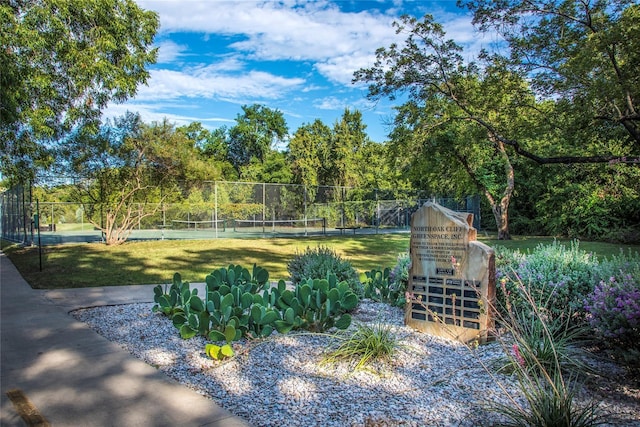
[{"x": 155, "y": 262}]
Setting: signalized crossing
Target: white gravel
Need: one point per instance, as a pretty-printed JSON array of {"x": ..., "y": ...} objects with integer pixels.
[{"x": 279, "y": 381}]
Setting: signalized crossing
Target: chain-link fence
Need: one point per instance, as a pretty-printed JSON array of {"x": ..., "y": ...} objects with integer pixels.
[
  {"x": 234, "y": 209},
  {"x": 17, "y": 216}
]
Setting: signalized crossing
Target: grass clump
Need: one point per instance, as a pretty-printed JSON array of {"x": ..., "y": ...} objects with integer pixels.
[
  {"x": 551, "y": 403},
  {"x": 368, "y": 343},
  {"x": 540, "y": 346}
]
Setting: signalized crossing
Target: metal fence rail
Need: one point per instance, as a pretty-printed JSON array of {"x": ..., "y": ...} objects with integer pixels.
[{"x": 230, "y": 209}]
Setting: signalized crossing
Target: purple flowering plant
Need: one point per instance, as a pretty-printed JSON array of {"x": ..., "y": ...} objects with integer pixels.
[{"x": 614, "y": 310}]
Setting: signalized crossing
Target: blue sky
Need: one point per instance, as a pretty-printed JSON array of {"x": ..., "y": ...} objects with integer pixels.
[{"x": 294, "y": 56}]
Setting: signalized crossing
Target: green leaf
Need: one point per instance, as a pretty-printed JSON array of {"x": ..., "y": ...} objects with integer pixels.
[
  {"x": 187, "y": 332},
  {"x": 177, "y": 279},
  {"x": 196, "y": 304},
  {"x": 289, "y": 315},
  {"x": 283, "y": 327},
  {"x": 230, "y": 333},
  {"x": 213, "y": 351},
  {"x": 226, "y": 351},
  {"x": 343, "y": 322},
  {"x": 269, "y": 317},
  {"x": 215, "y": 335}
]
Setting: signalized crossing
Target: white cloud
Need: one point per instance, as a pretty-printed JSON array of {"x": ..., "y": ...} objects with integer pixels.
[
  {"x": 209, "y": 82},
  {"x": 169, "y": 51},
  {"x": 157, "y": 113},
  {"x": 338, "y": 42},
  {"x": 330, "y": 103},
  {"x": 340, "y": 69}
]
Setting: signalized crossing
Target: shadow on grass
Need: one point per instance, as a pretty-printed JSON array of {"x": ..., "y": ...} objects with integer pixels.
[{"x": 155, "y": 262}]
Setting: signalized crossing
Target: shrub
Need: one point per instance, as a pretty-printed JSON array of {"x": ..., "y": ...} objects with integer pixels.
[
  {"x": 318, "y": 263},
  {"x": 558, "y": 277},
  {"x": 544, "y": 344},
  {"x": 614, "y": 311},
  {"x": 551, "y": 402}
]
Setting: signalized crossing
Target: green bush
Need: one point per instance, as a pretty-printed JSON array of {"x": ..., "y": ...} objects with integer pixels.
[
  {"x": 318, "y": 263},
  {"x": 399, "y": 277},
  {"x": 557, "y": 277}
]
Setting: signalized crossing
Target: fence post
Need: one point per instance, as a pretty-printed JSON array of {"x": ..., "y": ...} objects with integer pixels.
[
  {"x": 215, "y": 205},
  {"x": 305, "y": 210}
]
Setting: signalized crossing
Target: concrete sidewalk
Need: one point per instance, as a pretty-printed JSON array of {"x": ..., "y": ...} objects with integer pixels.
[{"x": 75, "y": 377}]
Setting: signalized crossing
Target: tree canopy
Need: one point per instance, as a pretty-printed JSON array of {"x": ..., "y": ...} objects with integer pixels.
[
  {"x": 62, "y": 62},
  {"x": 584, "y": 54},
  {"x": 257, "y": 129},
  {"x": 581, "y": 123}
]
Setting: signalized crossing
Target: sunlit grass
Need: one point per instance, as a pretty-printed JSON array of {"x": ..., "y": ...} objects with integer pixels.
[{"x": 151, "y": 262}]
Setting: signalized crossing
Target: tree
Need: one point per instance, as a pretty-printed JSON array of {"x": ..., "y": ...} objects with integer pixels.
[
  {"x": 348, "y": 141},
  {"x": 257, "y": 130},
  {"x": 309, "y": 152},
  {"x": 113, "y": 183},
  {"x": 273, "y": 169},
  {"x": 62, "y": 62},
  {"x": 586, "y": 55},
  {"x": 428, "y": 67},
  {"x": 449, "y": 102},
  {"x": 128, "y": 169}
]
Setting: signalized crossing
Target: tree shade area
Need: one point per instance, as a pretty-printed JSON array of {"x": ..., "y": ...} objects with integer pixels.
[{"x": 545, "y": 130}]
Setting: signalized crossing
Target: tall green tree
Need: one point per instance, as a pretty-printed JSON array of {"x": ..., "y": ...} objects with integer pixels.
[
  {"x": 449, "y": 104},
  {"x": 428, "y": 67},
  {"x": 257, "y": 131},
  {"x": 62, "y": 62},
  {"x": 348, "y": 142},
  {"x": 309, "y": 153}
]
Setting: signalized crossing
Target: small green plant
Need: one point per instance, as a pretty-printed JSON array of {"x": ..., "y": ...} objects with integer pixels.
[
  {"x": 543, "y": 343},
  {"x": 240, "y": 304},
  {"x": 377, "y": 287},
  {"x": 217, "y": 352},
  {"x": 366, "y": 344},
  {"x": 551, "y": 402},
  {"x": 170, "y": 303},
  {"x": 399, "y": 278},
  {"x": 318, "y": 263}
]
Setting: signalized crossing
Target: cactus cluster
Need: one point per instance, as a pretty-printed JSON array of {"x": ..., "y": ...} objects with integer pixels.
[
  {"x": 378, "y": 287},
  {"x": 316, "y": 305},
  {"x": 239, "y": 303}
]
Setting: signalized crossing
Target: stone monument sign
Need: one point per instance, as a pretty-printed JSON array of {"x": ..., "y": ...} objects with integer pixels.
[{"x": 451, "y": 278}]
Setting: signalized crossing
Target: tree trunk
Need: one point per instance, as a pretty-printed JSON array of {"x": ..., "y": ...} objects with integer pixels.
[
  {"x": 502, "y": 220},
  {"x": 500, "y": 209}
]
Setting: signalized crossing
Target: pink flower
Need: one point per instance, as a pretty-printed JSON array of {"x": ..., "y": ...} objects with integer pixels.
[{"x": 518, "y": 356}]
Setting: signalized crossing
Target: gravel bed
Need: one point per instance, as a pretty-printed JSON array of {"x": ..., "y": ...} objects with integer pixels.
[{"x": 279, "y": 381}]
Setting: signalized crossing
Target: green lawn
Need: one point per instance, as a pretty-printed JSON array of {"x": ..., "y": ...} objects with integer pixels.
[{"x": 150, "y": 262}]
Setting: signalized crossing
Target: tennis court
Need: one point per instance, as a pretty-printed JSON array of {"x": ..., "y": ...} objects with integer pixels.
[
  {"x": 204, "y": 230},
  {"x": 223, "y": 210}
]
